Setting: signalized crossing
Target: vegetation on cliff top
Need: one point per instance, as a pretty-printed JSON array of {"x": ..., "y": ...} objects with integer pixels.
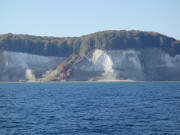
[{"x": 53, "y": 46}]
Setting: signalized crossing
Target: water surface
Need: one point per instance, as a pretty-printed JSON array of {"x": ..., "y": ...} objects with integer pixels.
[{"x": 90, "y": 108}]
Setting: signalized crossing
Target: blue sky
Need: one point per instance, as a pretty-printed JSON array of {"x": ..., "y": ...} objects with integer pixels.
[{"x": 64, "y": 18}]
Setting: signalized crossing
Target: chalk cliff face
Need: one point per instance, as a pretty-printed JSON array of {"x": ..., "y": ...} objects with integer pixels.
[
  {"x": 111, "y": 65},
  {"x": 139, "y": 65},
  {"x": 105, "y": 56},
  {"x": 25, "y": 67}
]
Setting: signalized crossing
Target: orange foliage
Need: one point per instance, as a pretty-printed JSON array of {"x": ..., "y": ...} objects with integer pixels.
[
  {"x": 61, "y": 66},
  {"x": 62, "y": 75},
  {"x": 68, "y": 72}
]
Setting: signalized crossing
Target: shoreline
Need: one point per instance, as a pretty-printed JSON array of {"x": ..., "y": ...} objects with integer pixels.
[{"x": 98, "y": 81}]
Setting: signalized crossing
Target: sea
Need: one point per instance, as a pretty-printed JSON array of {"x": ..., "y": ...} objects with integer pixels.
[{"x": 90, "y": 108}]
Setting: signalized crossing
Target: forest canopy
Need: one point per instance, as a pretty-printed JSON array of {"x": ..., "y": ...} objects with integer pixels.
[{"x": 108, "y": 40}]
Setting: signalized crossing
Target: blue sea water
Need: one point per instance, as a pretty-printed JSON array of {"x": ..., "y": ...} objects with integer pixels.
[{"x": 126, "y": 108}]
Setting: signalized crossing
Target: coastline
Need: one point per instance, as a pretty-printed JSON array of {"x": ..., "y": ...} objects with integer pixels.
[{"x": 98, "y": 81}]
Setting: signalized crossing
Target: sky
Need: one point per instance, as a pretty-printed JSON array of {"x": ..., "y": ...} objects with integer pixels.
[{"x": 64, "y": 18}]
